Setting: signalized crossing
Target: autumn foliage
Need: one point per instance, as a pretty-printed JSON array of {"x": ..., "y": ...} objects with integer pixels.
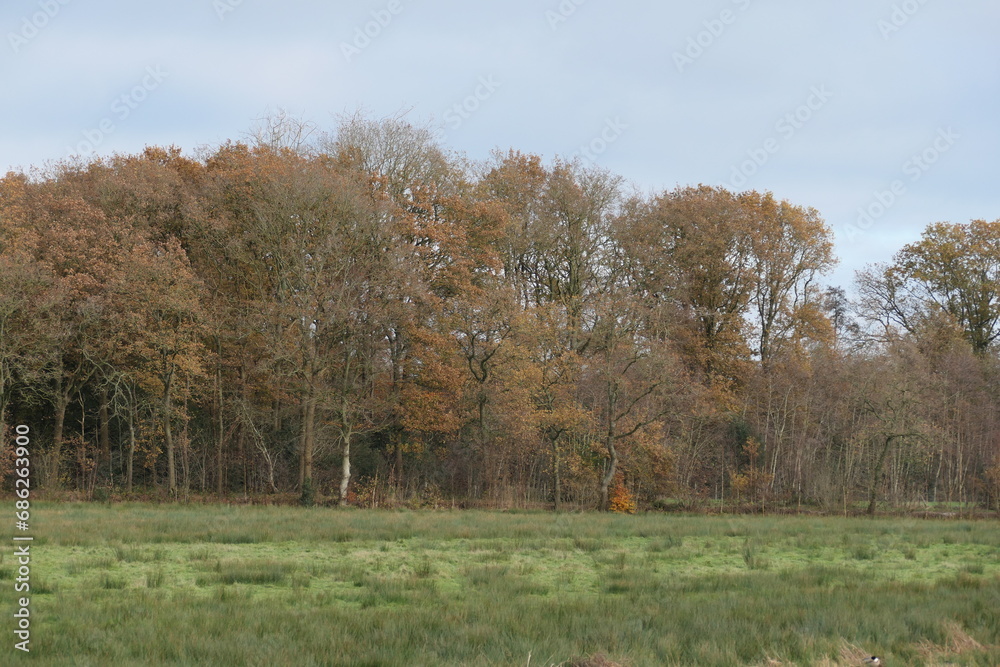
[
  {"x": 366, "y": 318},
  {"x": 621, "y": 500}
]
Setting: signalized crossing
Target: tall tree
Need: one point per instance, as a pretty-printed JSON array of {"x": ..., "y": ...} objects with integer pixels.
[
  {"x": 791, "y": 249},
  {"x": 954, "y": 269},
  {"x": 693, "y": 248},
  {"x": 25, "y": 286},
  {"x": 156, "y": 318}
]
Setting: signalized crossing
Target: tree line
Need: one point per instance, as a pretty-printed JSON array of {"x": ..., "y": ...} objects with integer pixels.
[{"x": 365, "y": 316}]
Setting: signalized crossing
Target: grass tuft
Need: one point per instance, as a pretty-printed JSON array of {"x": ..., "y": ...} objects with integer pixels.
[
  {"x": 110, "y": 582},
  {"x": 424, "y": 569},
  {"x": 252, "y": 572},
  {"x": 155, "y": 578},
  {"x": 864, "y": 552},
  {"x": 752, "y": 556}
]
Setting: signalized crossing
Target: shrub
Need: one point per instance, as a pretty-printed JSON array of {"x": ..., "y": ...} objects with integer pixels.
[{"x": 619, "y": 498}]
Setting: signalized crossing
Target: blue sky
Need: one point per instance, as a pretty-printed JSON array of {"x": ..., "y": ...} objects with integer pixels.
[{"x": 882, "y": 107}]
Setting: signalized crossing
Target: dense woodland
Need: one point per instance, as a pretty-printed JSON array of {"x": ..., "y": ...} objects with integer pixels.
[{"x": 365, "y": 317}]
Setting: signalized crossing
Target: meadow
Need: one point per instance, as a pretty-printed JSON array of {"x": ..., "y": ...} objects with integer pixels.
[{"x": 143, "y": 584}]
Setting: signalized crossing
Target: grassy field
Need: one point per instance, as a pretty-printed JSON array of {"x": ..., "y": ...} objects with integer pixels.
[{"x": 219, "y": 585}]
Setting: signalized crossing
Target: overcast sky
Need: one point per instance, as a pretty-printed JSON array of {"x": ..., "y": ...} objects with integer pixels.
[{"x": 887, "y": 107}]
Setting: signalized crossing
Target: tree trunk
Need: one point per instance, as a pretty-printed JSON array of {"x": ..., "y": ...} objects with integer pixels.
[
  {"x": 555, "y": 471},
  {"x": 302, "y": 451},
  {"x": 83, "y": 472},
  {"x": 62, "y": 401},
  {"x": 609, "y": 443},
  {"x": 185, "y": 448},
  {"x": 345, "y": 469},
  {"x": 131, "y": 447},
  {"x": 241, "y": 444},
  {"x": 219, "y": 426},
  {"x": 3, "y": 404},
  {"x": 3, "y": 424},
  {"x": 103, "y": 431},
  {"x": 399, "y": 463},
  {"x": 877, "y": 474},
  {"x": 168, "y": 435},
  {"x": 308, "y": 441},
  {"x": 610, "y": 474}
]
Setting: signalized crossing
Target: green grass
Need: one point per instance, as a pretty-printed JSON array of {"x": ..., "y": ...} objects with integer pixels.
[{"x": 209, "y": 585}]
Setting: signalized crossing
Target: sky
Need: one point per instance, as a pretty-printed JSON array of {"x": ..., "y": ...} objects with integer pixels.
[{"x": 880, "y": 114}]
